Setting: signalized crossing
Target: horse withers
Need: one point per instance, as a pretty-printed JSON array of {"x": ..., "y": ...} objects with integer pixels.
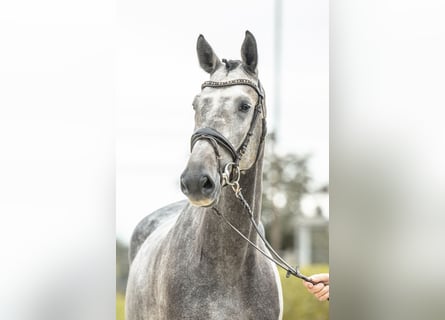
[{"x": 186, "y": 263}]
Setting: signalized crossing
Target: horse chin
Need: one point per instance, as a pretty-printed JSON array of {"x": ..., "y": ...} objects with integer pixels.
[
  {"x": 206, "y": 202},
  {"x": 202, "y": 203}
]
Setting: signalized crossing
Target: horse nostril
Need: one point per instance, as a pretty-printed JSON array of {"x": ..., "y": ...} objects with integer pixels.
[
  {"x": 184, "y": 188},
  {"x": 207, "y": 184}
]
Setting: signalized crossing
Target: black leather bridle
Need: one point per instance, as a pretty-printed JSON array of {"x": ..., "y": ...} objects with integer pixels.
[
  {"x": 231, "y": 170},
  {"x": 231, "y": 173}
]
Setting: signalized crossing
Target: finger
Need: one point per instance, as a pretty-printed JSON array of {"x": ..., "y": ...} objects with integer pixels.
[
  {"x": 322, "y": 292},
  {"x": 317, "y": 288},
  {"x": 324, "y": 297},
  {"x": 308, "y": 284},
  {"x": 321, "y": 277}
]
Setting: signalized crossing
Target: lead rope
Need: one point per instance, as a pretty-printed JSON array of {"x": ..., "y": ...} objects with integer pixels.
[{"x": 277, "y": 260}]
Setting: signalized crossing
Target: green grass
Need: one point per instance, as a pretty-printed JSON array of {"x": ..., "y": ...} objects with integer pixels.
[
  {"x": 120, "y": 307},
  {"x": 298, "y": 302}
]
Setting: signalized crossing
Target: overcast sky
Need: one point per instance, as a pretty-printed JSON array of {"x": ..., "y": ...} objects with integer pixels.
[{"x": 157, "y": 76}]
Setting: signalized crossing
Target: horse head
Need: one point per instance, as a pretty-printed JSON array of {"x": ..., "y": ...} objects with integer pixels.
[{"x": 228, "y": 134}]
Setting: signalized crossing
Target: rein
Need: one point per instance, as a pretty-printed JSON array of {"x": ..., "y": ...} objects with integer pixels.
[
  {"x": 232, "y": 173},
  {"x": 278, "y": 260}
]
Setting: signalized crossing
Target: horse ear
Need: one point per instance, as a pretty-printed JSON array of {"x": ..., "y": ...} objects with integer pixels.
[
  {"x": 249, "y": 52},
  {"x": 207, "y": 58}
]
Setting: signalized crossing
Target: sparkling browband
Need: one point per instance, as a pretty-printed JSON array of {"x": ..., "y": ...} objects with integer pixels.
[{"x": 247, "y": 82}]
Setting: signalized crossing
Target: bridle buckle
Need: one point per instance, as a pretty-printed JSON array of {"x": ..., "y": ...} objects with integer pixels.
[{"x": 231, "y": 174}]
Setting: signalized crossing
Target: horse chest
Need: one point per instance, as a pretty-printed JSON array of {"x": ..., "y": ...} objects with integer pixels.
[
  {"x": 199, "y": 285},
  {"x": 194, "y": 295}
]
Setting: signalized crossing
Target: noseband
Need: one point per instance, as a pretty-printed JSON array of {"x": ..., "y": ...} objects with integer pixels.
[{"x": 231, "y": 172}]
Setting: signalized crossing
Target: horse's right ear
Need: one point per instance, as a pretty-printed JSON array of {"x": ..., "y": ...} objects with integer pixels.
[{"x": 207, "y": 58}]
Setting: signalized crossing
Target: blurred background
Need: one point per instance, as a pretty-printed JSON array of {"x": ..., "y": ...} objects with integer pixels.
[
  {"x": 157, "y": 77},
  {"x": 67, "y": 92}
]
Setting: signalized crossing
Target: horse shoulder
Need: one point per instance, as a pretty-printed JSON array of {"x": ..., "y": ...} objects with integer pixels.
[{"x": 150, "y": 223}]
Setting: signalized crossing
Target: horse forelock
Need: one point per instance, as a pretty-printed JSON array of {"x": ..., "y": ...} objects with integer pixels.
[
  {"x": 232, "y": 69},
  {"x": 231, "y": 64}
]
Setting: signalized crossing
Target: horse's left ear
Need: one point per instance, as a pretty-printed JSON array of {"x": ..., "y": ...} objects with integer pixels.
[{"x": 249, "y": 52}]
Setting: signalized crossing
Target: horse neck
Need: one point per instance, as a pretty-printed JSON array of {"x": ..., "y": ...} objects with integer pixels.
[{"x": 221, "y": 245}]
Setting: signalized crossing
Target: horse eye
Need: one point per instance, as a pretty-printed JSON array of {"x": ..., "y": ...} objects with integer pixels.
[{"x": 244, "y": 107}]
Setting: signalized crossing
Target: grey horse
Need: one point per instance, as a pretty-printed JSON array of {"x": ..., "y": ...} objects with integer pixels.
[{"x": 186, "y": 263}]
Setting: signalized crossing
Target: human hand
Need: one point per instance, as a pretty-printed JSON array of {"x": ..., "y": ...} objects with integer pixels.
[{"x": 321, "y": 289}]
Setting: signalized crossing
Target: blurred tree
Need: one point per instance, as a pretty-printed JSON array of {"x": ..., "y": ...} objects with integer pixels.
[
  {"x": 285, "y": 180},
  {"x": 122, "y": 266}
]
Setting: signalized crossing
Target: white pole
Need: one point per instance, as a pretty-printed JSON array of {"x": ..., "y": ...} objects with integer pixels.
[
  {"x": 277, "y": 62},
  {"x": 305, "y": 252}
]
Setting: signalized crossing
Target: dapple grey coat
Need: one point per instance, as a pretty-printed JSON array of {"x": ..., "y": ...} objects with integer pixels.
[{"x": 186, "y": 263}]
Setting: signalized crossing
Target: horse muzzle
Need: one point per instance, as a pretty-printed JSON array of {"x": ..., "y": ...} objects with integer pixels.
[{"x": 200, "y": 186}]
